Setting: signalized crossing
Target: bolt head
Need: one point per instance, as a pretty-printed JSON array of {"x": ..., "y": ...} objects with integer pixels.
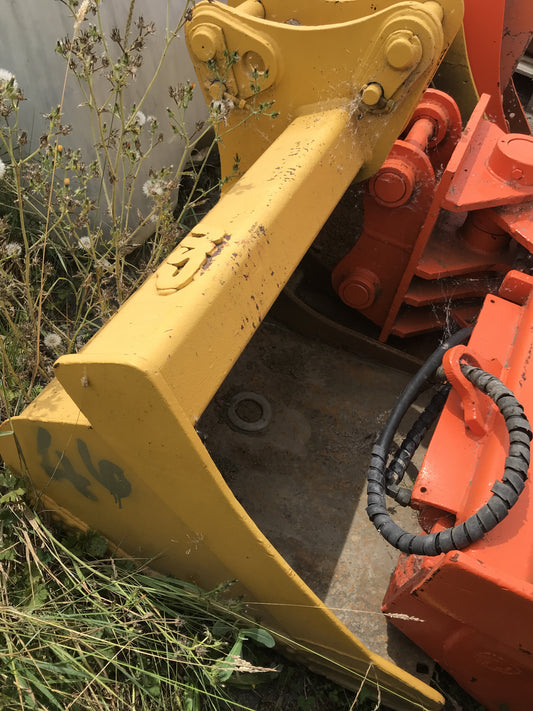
[
  {"x": 372, "y": 93},
  {"x": 403, "y": 50},
  {"x": 359, "y": 289},
  {"x": 203, "y": 43}
]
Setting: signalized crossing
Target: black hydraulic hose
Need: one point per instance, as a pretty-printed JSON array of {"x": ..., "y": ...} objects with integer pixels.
[
  {"x": 505, "y": 493},
  {"x": 401, "y": 460},
  {"x": 414, "y": 387}
]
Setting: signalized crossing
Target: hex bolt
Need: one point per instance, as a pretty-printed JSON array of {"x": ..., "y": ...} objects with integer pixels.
[
  {"x": 372, "y": 93},
  {"x": 403, "y": 50},
  {"x": 203, "y": 42}
]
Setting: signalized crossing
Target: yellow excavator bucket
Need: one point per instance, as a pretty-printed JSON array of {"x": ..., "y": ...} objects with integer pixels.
[{"x": 111, "y": 443}]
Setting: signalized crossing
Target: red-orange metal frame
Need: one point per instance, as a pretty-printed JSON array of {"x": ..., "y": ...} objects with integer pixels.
[
  {"x": 472, "y": 611},
  {"x": 419, "y": 249}
]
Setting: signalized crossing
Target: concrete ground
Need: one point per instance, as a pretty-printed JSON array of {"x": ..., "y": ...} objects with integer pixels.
[{"x": 303, "y": 477}]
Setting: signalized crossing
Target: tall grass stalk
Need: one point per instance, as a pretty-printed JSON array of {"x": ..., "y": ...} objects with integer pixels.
[{"x": 80, "y": 630}]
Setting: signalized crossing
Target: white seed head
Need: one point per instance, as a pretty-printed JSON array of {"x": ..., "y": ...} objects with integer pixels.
[
  {"x": 140, "y": 118},
  {"x": 13, "y": 249},
  {"x": 84, "y": 243},
  {"x": 153, "y": 187},
  {"x": 52, "y": 341},
  {"x": 220, "y": 109},
  {"x": 5, "y": 78},
  {"x": 103, "y": 263},
  {"x": 2, "y": 169}
]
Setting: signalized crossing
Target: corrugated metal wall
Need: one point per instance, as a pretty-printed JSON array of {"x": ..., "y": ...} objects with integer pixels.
[{"x": 29, "y": 30}]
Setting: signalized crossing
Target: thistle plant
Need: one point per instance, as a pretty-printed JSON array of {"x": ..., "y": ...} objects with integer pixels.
[{"x": 62, "y": 273}]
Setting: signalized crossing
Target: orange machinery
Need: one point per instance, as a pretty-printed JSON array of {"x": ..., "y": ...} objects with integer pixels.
[
  {"x": 444, "y": 216},
  {"x": 463, "y": 589}
]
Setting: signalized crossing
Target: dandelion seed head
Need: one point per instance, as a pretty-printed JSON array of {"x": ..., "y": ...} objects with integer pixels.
[
  {"x": 13, "y": 249},
  {"x": 52, "y": 341},
  {"x": 5, "y": 78},
  {"x": 153, "y": 187},
  {"x": 2, "y": 169},
  {"x": 140, "y": 118},
  {"x": 84, "y": 243}
]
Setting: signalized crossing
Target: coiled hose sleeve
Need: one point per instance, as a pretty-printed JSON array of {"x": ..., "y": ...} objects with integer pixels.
[
  {"x": 505, "y": 493},
  {"x": 401, "y": 460}
]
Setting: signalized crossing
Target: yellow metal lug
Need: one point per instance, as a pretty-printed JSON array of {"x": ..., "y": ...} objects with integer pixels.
[
  {"x": 408, "y": 44},
  {"x": 435, "y": 8},
  {"x": 251, "y": 7},
  {"x": 372, "y": 94},
  {"x": 216, "y": 90},
  {"x": 208, "y": 49},
  {"x": 205, "y": 41},
  {"x": 306, "y": 56}
]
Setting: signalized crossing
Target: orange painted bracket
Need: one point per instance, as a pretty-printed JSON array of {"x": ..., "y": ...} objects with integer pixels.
[
  {"x": 474, "y": 406},
  {"x": 517, "y": 220},
  {"x": 516, "y": 287},
  {"x": 497, "y": 170}
]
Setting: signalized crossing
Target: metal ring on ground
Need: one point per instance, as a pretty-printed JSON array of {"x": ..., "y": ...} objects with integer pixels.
[{"x": 250, "y": 425}]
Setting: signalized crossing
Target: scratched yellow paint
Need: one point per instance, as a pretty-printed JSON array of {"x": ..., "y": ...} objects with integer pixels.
[{"x": 111, "y": 442}]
